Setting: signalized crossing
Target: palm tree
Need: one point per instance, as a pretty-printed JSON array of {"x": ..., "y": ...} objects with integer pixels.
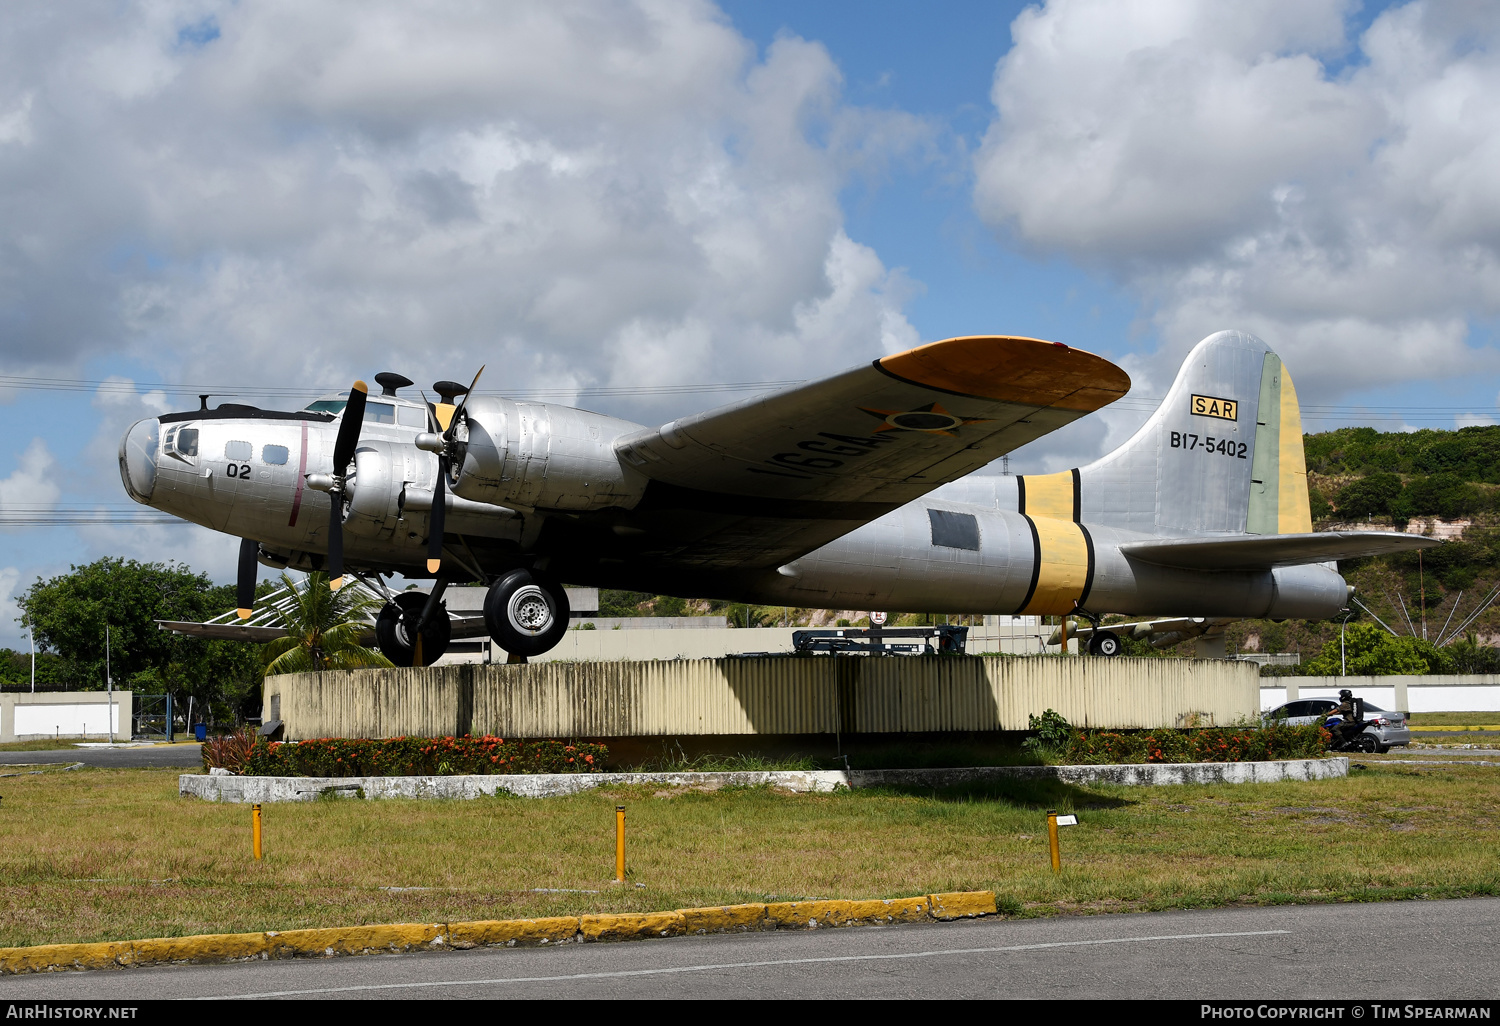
[{"x": 323, "y": 629}]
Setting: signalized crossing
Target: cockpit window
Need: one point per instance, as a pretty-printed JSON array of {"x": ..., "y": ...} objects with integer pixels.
[
  {"x": 380, "y": 413},
  {"x": 327, "y": 406},
  {"x": 187, "y": 441},
  {"x": 412, "y": 416},
  {"x": 275, "y": 455},
  {"x": 238, "y": 452}
]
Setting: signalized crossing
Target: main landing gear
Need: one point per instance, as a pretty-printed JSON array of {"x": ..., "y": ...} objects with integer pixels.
[
  {"x": 395, "y": 629},
  {"x": 526, "y": 612}
]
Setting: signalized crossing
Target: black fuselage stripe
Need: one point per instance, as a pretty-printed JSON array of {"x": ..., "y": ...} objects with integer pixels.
[
  {"x": 1036, "y": 565},
  {"x": 1021, "y": 497},
  {"x": 1078, "y": 500},
  {"x": 1088, "y": 577}
]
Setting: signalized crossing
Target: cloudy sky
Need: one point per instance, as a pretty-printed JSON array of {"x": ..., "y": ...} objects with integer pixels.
[{"x": 631, "y": 206}]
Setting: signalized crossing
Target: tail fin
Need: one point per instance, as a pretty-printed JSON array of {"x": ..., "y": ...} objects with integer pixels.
[{"x": 1221, "y": 455}]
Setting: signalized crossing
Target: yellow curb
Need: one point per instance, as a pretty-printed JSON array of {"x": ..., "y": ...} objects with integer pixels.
[
  {"x": 49, "y": 957},
  {"x": 962, "y": 904},
  {"x": 356, "y": 940},
  {"x": 808, "y": 915},
  {"x": 891, "y": 910},
  {"x": 360, "y": 940},
  {"x": 513, "y": 932},
  {"x": 1457, "y": 729},
  {"x": 631, "y": 925},
  {"x": 208, "y": 947},
  {"x": 725, "y": 919}
]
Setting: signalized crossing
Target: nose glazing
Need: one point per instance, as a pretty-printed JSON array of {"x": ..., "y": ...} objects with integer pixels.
[{"x": 138, "y": 458}]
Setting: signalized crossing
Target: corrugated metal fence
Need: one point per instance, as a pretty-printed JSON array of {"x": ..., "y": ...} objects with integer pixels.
[{"x": 772, "y": 695}]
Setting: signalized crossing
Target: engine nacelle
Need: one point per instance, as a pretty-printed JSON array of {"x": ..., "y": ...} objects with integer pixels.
[
  {"x": 543, "y": 456},
  {"x": 1311, "y": 592},
  {"x": 381, "y": 471}
]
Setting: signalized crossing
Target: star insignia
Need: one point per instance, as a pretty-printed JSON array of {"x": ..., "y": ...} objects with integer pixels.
[{"x": 931, "y": 419}]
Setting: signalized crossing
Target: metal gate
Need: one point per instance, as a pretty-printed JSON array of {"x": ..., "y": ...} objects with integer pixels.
[{"x": 153, "y": 718}]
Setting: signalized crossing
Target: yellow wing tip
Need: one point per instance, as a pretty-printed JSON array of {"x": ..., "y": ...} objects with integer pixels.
[{"x": 1011, "y": 368}]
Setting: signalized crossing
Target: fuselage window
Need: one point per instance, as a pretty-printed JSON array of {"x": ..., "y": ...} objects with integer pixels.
[
  {"x": 238, "y": 452},
  {"x": 275, "y": 455},
  {"x": 954, "y": 530},
  {"x": 412, "y": 416},
  {"x": 327, "y": 406},
  {"x": 380, "y": 413},
  {"x": 187, "y": 441}
]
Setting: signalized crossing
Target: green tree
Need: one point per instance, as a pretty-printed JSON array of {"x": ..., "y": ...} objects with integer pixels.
[
  {"x": 1374, "y": 652},
  {"x": 1369, "y": 496},
  {"x": 71, "y": 611},
  {"x": 323, "y": 630}
]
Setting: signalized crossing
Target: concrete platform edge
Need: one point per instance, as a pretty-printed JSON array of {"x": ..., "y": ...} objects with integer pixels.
[{"x": 548, "y": 785}]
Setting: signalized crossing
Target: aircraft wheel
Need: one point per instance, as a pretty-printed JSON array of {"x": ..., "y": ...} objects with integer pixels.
[
  {"x": 394, "y": 627},
  {"x": 526, "y": 613},
  {"x": 1105, "y": 644}
]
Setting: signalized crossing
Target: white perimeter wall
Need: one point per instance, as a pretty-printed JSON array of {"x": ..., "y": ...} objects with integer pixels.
[
  {"x": 1404, "y": 693},
  {"x": 27, "y": 716}
]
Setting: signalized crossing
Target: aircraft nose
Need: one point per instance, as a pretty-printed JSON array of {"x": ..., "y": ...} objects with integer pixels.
[{"x": 138, "y": 458}]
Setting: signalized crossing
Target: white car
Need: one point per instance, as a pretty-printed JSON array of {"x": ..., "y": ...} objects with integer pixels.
[{"x": 1383, "y": 727}]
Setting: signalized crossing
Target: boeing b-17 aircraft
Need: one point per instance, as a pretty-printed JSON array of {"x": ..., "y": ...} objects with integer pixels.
[{"x": 849, "y": 492}]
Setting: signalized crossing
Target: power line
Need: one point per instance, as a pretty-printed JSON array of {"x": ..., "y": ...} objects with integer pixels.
[{"x": 123, "y": 387}]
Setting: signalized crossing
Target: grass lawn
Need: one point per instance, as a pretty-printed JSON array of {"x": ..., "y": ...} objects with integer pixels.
[
  {"x": 102, "y": 854},
  {"x": 44, "y": 745},
  {"x": 1454, "y": 719}
]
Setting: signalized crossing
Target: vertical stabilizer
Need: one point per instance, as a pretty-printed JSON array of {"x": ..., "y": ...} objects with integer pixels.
[{"x": 1221, "y": 455}]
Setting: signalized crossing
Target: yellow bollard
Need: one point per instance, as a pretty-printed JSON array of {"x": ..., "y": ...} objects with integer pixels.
[
  {"x": 619, "y": 844},
  {"x": 1052, "y": 838},
  {"x": 255, "y": 829}
]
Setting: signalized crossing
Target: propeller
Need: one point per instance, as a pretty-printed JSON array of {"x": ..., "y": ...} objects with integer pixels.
[
  {"x": 445, "y": 418},
  {"x": 343, "y": 451},
  {"x": 245, "y": 587}
]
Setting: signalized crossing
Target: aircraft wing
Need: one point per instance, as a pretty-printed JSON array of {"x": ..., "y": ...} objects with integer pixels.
[
  {"x": 1262, "y": 552},
  {"x": 761, "y": 482},
  {"x": 464, "y": 627},
  {"x": 1161, "y": 633}
]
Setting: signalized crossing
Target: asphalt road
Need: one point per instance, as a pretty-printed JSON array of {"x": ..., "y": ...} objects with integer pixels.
[
  {"x": 152, "y": 756},
  {"x": 1397, "y": 950}
]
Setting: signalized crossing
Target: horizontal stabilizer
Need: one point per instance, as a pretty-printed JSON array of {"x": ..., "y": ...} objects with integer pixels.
[{"x": 1263, "y": 552}]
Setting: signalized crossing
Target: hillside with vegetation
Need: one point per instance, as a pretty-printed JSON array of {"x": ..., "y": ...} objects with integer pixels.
[{"x": 1443, "y": 483}]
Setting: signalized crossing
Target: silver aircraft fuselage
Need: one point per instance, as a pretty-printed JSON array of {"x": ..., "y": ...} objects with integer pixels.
[{"x": 542, "y": 483}]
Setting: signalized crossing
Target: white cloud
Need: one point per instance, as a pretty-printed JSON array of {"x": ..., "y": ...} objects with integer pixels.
[
  {"x": 1203, "y": 154},
  {"x": 576, "y": 193},
  {"x": 32, "y": 486}
]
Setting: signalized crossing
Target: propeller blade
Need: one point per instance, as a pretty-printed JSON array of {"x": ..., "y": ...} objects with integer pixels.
[
  {"x": 335, "y": 541},
  {"x": 348, "y": 437},
  {"x": 245, "y": 587},
  {"x": 435, "y": 522},
  {"x": 464, "y": 401},
  {"x": 343, "y": 451}
]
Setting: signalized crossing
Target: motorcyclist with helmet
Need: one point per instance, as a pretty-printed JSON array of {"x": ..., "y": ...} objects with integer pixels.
[{"x": 1350, "y": 725}]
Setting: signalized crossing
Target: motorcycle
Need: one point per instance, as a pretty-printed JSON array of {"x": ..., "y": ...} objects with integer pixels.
[{"x": 1363, "y": 742}]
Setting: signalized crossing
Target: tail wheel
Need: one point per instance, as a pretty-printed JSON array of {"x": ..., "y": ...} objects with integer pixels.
[
  {"x": 526, "y": 613},
  {"x": 395, "y": 629},
  {"x": 1105, "y": 644}
]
